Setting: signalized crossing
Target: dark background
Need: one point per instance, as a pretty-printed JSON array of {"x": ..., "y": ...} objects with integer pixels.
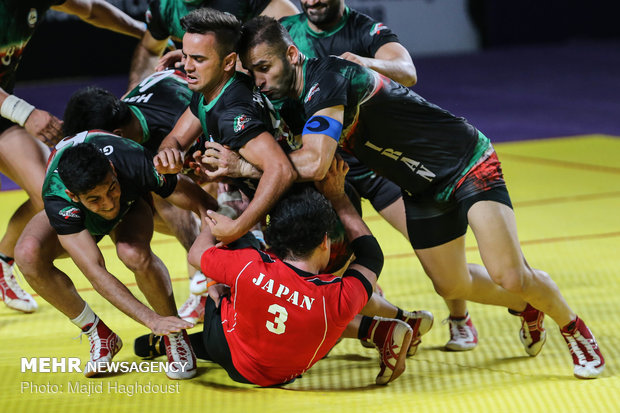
[{"x": 67, "y": 47}]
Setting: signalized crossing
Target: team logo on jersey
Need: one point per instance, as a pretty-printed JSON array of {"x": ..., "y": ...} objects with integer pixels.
[
  {"x": 376, "y": 28},
  {"x": 32, "y": 17},
  {"x": 70, "y": 212},
  {"x": 239, "y": 123},
  {"x": 315, "y": 88}
]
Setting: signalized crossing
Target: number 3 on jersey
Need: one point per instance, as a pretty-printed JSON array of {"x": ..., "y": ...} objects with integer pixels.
[{"x": 277, "y": 326}]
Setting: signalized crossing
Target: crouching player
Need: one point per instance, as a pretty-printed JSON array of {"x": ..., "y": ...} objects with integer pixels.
[
  {"x": 99, "y": 184},
  {"x": 283, "y": 314}
]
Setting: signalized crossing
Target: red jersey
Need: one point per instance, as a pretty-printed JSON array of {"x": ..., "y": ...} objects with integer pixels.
[{"x": 280, "y": 320}]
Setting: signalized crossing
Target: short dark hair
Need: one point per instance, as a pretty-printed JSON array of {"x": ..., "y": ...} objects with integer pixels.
[
  {"x": 94, "y": 108},
  {"x": 82, "y": 167},
  {"x": 263, "y": 29},
  {"x": 298, "y": 222},
  {"x": 225, "y": 27}
]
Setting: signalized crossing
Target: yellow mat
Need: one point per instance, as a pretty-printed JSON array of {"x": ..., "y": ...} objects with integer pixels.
[{"x": 566, "y": 194}]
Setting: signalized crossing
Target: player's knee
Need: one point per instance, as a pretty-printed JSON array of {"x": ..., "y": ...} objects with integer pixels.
[
  {"x": 135, "y": 257},
  {"x": 28, "y": 256},
  {"x": 513, "y": 279},
  {"x": 450, "y": 290}
]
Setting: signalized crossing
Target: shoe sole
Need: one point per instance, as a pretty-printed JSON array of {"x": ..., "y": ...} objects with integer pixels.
[
  {"x": 9, "y": 303},
  {"x": 452, "y": 347},
  {"x": 591, "y": 373},
  {"x": 400, "y": 366},
  {"x": 182, "y": 376}
]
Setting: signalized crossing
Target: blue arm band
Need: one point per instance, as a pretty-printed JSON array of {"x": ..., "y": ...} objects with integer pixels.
[{"x": 323, "y": 125}]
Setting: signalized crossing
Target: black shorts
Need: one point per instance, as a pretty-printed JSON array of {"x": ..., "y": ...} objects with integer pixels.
[
  {"x": 214, "y": 346},
  {"x": 431, "y": 223}
]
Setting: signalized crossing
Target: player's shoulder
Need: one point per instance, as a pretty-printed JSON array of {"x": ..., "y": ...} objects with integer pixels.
[
  {"x": 241, "y": 93},
  {"x": 327, "y": 66},
  {"x": 294, "y": 20}
]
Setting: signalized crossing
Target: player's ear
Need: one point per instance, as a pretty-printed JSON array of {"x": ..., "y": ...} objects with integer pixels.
[
  {"x": 230, "y": 61},
  {"x": 292, "y": 54},
  {"x": 71, "y": 195},
  {"x": 118, "y": 131},
  {"x": 326, "y": 243},
  {"x": 113, "y": 168}
]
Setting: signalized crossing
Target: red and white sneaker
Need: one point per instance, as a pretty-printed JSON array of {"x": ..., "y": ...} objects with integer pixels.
[
  {"x": 392, "y": 338},
  {"x": 11, "y": 293},
  {"x": 193, "y": 309},
  {"x": 463, "y": 334},
  {"x": 198, "y": 283},
  {"x": 104, "y": 345},
  {"x": 588, "y": 360},
  {"x": 532, "y": 334},
  {"x": 420, "y": 322},
  {"x": 181, "y": 357}
]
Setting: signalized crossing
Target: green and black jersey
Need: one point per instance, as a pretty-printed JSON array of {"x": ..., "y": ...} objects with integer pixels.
[
  {"x": 18, "y": 19},
  {"x": 158, "y": 102},
  {"x": 163, "y": 17},
  {"x": 236, "y": 116},
  {"x": 388, "y": 127},
  {"x": 355, "y": 33},
  {"x": 135, "y": 173}
]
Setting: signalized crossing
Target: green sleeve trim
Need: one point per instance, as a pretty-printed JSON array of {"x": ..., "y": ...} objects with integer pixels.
[{"x": 145, "y": 127}]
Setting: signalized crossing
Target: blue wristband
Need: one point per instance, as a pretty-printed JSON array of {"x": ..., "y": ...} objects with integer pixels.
[{"x": 323, "y": 125}]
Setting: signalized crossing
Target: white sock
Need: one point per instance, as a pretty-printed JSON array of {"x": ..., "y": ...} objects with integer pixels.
[{"x": 87, "y": 316}]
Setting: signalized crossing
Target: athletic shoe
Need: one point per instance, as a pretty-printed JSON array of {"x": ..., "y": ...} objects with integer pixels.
[
  {"x": 104, "y": 345},
  {"x": 463, "y": 334},
  {"x": 181, "y": 357},
  {"x": 421, "y": 322},
  {"x": 149, "y": 346},
  {"x": 587, "y": 358},
  {"x": 532, "y": 333},
  {"x": 392, "y": 338},
  {"x": 11, "y": 293},
  {"x": 193, "y": 310},
  {"x": 198, "y": 283}
]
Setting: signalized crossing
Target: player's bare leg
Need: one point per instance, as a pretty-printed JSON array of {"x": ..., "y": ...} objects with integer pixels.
[
  {"x": 447, "y": 267},
  {"x": 35, "y": 252},
  {"x": 132, "y": 237},
  {"x": 23, "y": 159},
  {"x": 463, "y": 335},
  {"x": 495, "y": 229}
]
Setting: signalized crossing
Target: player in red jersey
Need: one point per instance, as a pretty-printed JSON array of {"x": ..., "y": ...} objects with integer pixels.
[{"x": 283, "y": 314}]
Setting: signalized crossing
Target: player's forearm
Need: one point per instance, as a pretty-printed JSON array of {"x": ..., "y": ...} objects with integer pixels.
[
  {"x": 353, "y": 224},
  {"x": 143, "y": 64},
  {"x": 276, "y": 180},
  {"x": 188, "y": 195},
  {"x": 309, "y": 164},
  {"x": 102, "y": 14},
  {"x": 203, "y": 242},
  {"x": 110, "y": 288},
  {"x": 14, "y": 109},
  {"x": 401, "y": 71}
]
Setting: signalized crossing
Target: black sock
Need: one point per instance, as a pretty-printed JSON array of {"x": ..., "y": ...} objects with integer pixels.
[
  {"x": 363, "y": 333},
  {"x": 399, "y": 314},
  {"x": 461, "y": 318}
]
